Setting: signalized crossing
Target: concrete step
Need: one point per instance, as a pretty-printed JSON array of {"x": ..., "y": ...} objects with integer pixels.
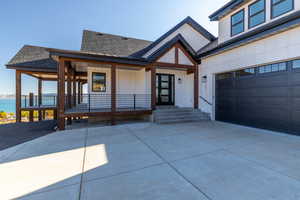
[
  {"x": 182, "y": 115},
  {"x": 178, "y": 115},
  {"x": 173, "y": 121}
]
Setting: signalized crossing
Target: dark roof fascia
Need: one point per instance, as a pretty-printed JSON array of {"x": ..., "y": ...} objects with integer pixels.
[
  {"x": 101, "y": 58},
  {"x": 31, "y": 69},
  {"x": 168, "y": 45},
  {"x": 225, "y": 9},
  {"x": 263, "y": 31},
  {"x": 187, "y": 20}
]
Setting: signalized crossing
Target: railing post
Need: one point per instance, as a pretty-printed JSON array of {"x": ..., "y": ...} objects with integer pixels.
[
  {"x": 134, "y": 103},
  {"x": 89, "y": 100}
]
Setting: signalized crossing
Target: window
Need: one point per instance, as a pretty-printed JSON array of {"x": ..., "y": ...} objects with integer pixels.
[
  {"x": 273, "y": 68},
  {"x": 237, "y": 23},
  {"x": 257, "y": 13},
  {"x": 280, "y": 7},
  {"x": 98, "y": 82},
  {"x": 296, "y": 64},
  {"x": 246, "y": 72}
]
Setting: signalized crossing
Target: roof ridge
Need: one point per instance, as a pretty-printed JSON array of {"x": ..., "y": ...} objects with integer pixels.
[{"x": 116, "y": 35}]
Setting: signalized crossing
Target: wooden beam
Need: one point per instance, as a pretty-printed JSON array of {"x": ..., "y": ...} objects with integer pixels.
[
  {"x": 18, "y": 95},
  {"x": 179, "y": 66},
  {"x": 153, "y": 87},
  {"x": 176, "y": 54},
  {"x": 113, "y": 92},
  {"x": 187, "y": 54},
  {"x": 40, "y": 85},
  {"x": 99, "y": 62},
  {"x": 61, "y": 95},
  {"x": 196, "y": 87},
  {"x": 190, "y": 71}
]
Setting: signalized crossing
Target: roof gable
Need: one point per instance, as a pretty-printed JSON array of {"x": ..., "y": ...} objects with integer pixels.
[
  {"x": 169, "y": 45},
  {"x": 202, "y": 31},
  {"x": 111, "y": 45}
]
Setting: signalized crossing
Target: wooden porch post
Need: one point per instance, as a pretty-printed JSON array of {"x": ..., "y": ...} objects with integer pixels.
[
  {"x": 113, "y": 93},
  {"x": 31, "y": 102},
  {"x": 79, "y": 91},
  {"x": 69, "y": 87},
  {"x": 61, "y": 95},
  {"x": 40, "y": 98},
  {"x": 74, "y": 87},
  {"x": 153, "y": 87},
  {"x": 196, "y": 87},
  {"x": 18, "y": 95},
  {"x": 69, "y": 91}
]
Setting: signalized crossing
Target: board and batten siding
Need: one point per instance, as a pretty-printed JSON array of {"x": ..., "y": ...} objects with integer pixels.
[
  {"x": 129, "y": 82},
  {"x": 281, "y": 47},
  {"x": 225, "y": 22}
]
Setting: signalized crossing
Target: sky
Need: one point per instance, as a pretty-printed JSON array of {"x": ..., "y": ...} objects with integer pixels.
[{"x": 59, "y": 24}]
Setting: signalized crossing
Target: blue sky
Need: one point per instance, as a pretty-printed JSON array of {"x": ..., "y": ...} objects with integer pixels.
[{"x": 59, "y": 24}]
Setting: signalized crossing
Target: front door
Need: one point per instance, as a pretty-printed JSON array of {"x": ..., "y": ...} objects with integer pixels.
[{"x": 165, "y": 89}]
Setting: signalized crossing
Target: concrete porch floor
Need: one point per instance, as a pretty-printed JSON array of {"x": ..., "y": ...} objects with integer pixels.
[{"x": 194, "y": 161}]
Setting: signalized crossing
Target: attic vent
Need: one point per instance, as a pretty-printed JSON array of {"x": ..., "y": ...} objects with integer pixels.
[
  {"x": 100, "y": 34},
  {"x": 125, "y": 38}
]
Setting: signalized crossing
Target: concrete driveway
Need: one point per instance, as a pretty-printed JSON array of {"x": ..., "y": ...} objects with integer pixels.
[{"x": 194, "y": 161}]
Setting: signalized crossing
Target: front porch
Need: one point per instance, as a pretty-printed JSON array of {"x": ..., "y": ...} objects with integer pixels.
[{"x": 116, "y": 86}]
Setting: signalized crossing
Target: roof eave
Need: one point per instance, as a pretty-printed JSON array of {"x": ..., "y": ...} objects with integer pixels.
[{"x": 225, "y": 9}]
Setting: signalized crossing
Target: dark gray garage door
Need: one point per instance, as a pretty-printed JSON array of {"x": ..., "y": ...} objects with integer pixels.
[{"x": 265, "y": 97}]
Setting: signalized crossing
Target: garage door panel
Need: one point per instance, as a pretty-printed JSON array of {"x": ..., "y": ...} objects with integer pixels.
[
  {"x": 270, "y": 100},
  {"x": 272, "y": 80}
]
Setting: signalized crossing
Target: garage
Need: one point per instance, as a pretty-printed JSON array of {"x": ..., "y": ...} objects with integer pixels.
[{"x": 264, "y": 96}]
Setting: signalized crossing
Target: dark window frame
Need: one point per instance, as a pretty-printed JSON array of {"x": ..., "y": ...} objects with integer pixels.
[
  {"x": 281, "y": 1},
  {"x": 98, "y": 73},
  {"x": 242, "y": 21},
  {"x": 257, "y": 13}
]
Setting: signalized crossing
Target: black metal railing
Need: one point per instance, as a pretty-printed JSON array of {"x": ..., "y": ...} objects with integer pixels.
[
  {"x": 46, "y": 100},
  {"x": 103, "y": 102}
]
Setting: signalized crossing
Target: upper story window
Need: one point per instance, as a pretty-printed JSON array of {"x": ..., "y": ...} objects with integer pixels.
[
  {"x": 237, "y": 23},
  {"x": 98, "y": 82},
  {"x": 257, "y": 13},
  {"x": 280, "y": 7}
]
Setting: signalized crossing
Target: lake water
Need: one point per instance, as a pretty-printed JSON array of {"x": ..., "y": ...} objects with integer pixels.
[{"x": 8, "y": 105}]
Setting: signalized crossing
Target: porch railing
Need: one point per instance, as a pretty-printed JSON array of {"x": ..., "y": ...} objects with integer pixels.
[
  {"x": 47, "y": 100},
  {"x": 102, "y": 103}
]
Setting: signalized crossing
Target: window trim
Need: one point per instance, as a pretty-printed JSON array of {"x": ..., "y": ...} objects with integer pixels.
[
  {"x": 242, "y": 21},
  {"x": 104, "y": 74},
  {"x": 272, "y": 5},
  {"x": 264, "y": 10}
]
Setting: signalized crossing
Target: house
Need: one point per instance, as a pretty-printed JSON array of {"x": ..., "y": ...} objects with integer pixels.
[{"x": 249, "y": 75}]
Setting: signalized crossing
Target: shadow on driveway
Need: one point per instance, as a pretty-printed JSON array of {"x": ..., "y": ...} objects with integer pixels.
[{"x": 14, "y": 134}]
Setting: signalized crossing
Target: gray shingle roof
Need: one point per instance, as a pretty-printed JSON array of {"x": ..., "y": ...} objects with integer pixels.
[
  {"x": 111, "y": 45},
  {"x": 33, "y": 57}
]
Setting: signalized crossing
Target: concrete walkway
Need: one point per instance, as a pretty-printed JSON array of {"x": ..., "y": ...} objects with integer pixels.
[{"x": 194, "y": 161}]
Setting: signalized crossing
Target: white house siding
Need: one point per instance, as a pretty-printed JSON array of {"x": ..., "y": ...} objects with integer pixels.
[
  {"x": 169, "y": 57},
  {"x": 225, "y": 22},
  {"x": 280, "y": 47},
  {"x": 193, "y": 37},
  {"x": 184, "y": 89},
  {"x": 129, "y": 82},
  {"x": 182, "y": 59}
]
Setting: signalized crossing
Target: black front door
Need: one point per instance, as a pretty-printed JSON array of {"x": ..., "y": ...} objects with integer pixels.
[{"x": 165, "y": 89}]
